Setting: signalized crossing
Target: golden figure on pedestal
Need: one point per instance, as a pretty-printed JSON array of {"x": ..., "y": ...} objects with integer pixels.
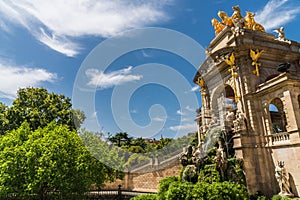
[
  {"x": 255, "y": 55},
  {"x": 251, "y": 24},
  {"x": 230, "y": 60}
]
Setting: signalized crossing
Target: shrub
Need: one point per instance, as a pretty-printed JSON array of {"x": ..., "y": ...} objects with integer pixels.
[
  {"x": 227, "y": 190},
  {"x": 145, "y": 197},
  {"x": 179, "y": 190},
  {"x": 200, "y": 191},
  {"x": 278, "y": 197},
  {"x": 164, "y": 186},
  {"x": 209, "y": 174}
]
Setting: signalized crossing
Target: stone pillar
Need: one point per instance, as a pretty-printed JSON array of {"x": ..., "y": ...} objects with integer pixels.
[{"x": 292, "y": 122}]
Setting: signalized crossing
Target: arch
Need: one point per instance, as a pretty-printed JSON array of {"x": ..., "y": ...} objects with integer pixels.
[
  {"x": 223, "y": 94},
  {"x": 222, "y": 103},
  {"x": 230, "y": 98},
  {"x": 277, "y": 115}
]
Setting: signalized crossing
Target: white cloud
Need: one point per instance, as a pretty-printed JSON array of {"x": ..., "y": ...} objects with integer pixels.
[
  {"x": 190, "y": 109},
  {"x": 189, "y": 127},
  {"x": 14, "y": 77},
  {"x": 59, "y": 44},
  {"x": 134, "y": 111},
  {"x": 195, "y": 88},
  {"x": 179, "y": 112},
  {"x": 158, "y": 119},
  {"x": 276, "y": 13},
  {"x": 102, "y": 81},
  {"x": 184, "y": 119},
  {"x": 93, "y": 115},
  {"x": 67, "y": 19}
]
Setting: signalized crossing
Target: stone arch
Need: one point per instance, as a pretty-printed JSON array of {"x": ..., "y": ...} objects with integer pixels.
[
  {"x": 229, "y": 98},
  {"x": 222, "y": 101},
  {"x": 277, "y": 115}
]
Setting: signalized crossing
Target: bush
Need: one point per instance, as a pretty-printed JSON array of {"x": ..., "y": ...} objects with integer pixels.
[
  {"x": 278, "y": 197},
  {"x": 145, "y": 197},
  {"x": 164, "y": 186},
  {"x": 227, "y": 190},
  {"x": 200, "y": 191},
  {"x": 209, "y": 174},
  {"x": 179, "y": 190}
]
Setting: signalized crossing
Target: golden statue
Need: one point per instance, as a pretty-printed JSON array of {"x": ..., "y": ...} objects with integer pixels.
[
  {"x": 230, "y": 60},
  {"x": 255, "y": 55},
  {"x": 237, "y": 13},
  {"x": 201, "y": 82},
  {"x": 217, "y": 25},
  {"x": 237, "y": 18},
  {"x": 225, "y": 18},
  {"x": 237, "y": 21},
  {"x": 251, "y": 24}
]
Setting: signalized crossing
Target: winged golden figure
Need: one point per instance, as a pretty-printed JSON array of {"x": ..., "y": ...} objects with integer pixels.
[
  {"x": 201, "y": 82},
  {"x": 255, "y": 55},
  {"x": 230, "y": 59}
]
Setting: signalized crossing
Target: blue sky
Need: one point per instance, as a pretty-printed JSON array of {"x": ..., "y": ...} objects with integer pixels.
[{"x": 45, "y": 43}]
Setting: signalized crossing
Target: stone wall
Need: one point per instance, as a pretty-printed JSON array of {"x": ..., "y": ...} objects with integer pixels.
[
  {"x": 291, "y": 157},
  {"x": 145, "y": 182}
]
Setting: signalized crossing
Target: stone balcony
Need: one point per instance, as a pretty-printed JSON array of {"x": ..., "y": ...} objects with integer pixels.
[{"x": 277, "y": 139}]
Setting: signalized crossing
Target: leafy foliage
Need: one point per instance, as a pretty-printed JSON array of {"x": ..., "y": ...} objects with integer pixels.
[
  {"x": 145, "y": 197},
  {"x": 209, "y": 174},
  {"x": 164, "y": 186},
  {"x": 226, "y": 191},
  {"x": 3, "y": 118},
  {"x": 278, "y": 197},
  {"x": 38, "y": 107},
  {"x": 105, "y": 153},
  {"x": 179, "y": 190},
  {"x": 48, "y": 159},
  {"x": 171, "y": 188}
]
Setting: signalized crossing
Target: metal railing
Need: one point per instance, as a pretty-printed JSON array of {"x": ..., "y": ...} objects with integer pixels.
[{"x": 118, "y": 194}]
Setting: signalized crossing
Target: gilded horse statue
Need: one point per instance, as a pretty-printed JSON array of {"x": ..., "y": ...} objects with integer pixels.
[
  {"x": 225, "y": 18},
  {"x": 217, "y": 25},
  {"x": 237, "y": 18},
  {"x": 251, "y": 24}
]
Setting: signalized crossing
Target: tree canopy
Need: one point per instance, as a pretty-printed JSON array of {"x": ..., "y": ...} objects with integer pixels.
[
  {"x": 48, "y": 159},
  {"x": 38, "y": 107}
]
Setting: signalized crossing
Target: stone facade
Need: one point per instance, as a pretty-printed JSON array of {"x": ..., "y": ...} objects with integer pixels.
[{"x": 263, "y": 96}]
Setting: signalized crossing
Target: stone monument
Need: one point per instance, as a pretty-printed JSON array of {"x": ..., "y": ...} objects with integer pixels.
[{"x": 246, "y": 72}]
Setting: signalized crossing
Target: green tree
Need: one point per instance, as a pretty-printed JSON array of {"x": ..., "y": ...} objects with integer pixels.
[
  {"x": 108, "y": 154},
  {"x": 3, "y": 118},
  {"x": 49, "y": 159},
  {"x": 120, "y": 139},
  {"x": 38, "y": 107}
]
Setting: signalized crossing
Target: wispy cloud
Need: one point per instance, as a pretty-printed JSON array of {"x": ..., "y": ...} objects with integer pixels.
[
  {"x": 277, "y": 13},
  {"x": 14, "y": 77},
  {"x": 189, "y": 127},
  {"x": 59, "y": 44},
  {"x": 158, "y": 119},
  {"x": 68, "y": 19},
  {"x": 190, "y": 109},
  {"x": 195, "y": 88},
  {"x": 133, "y": 111},
  {"x": 103, "y": 80},
  {"x": 179, "y": 112}
]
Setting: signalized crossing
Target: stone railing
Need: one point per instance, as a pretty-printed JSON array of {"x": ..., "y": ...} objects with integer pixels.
[{"x": 280, "y": 138}]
